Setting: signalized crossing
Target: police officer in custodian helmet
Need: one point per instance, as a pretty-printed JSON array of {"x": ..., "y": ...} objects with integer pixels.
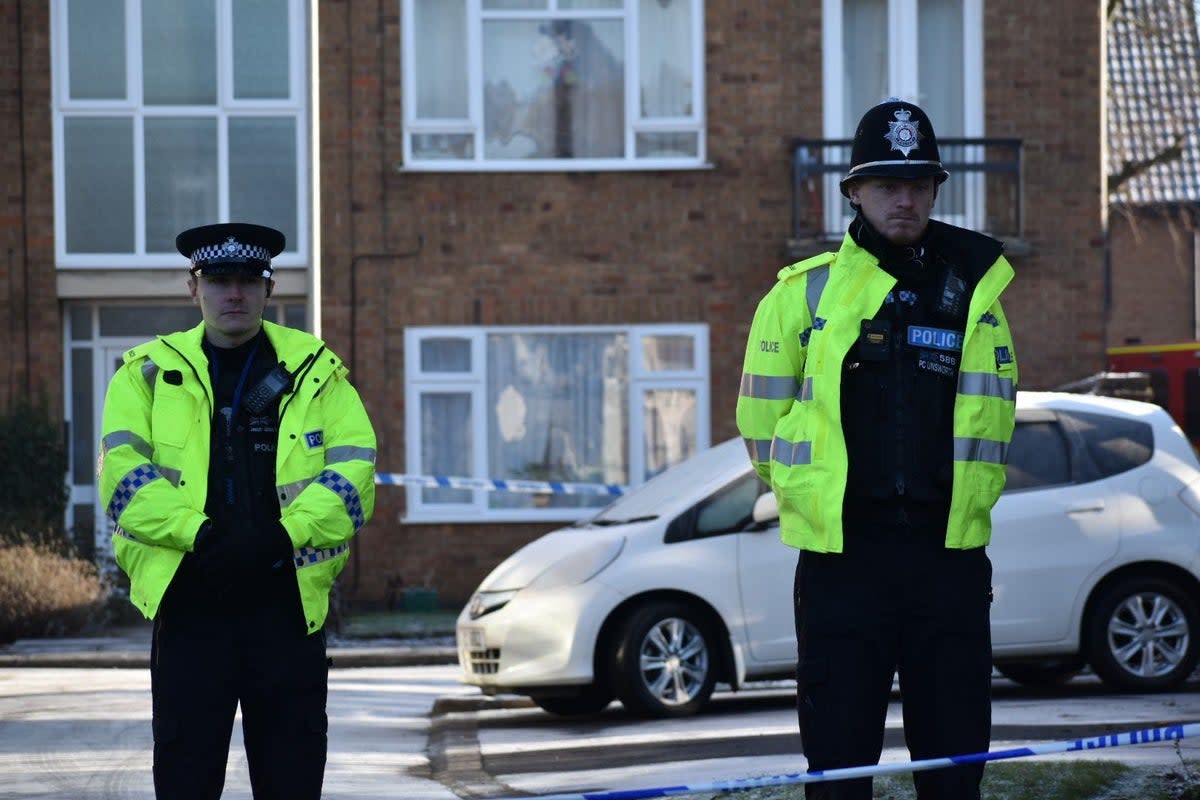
[{"x": 878, "y": 401}]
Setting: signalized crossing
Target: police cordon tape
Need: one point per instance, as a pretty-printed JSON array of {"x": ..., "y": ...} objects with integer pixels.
[
  {"x": 1168, "y": 733},
  {"x": 497, "y": 485}
]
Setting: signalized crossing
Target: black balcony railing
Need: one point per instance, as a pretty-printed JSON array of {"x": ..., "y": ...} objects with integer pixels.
[{"x": 983, "y": 192}]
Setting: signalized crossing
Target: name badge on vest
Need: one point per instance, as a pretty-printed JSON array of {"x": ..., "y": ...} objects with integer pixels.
[{"x": 937, "y": 349}]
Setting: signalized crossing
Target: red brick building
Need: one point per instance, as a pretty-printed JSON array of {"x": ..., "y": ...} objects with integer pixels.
[{"x": 536, "y": 230}]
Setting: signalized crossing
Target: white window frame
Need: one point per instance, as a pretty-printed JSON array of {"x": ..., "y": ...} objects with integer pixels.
[
  {"x": 693, "y": 123},
  {"x": 903, "y": 82},
  {"x": 474, "y": 383},
  {"x": 295, "y": 106}
]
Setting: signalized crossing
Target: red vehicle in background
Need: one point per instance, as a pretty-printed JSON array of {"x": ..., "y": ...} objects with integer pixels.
[{"x": 1172, "y": 379}]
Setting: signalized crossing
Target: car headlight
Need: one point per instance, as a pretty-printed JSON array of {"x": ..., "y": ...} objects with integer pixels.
[
  {"x": 581, "y": 566},
  {"x": 487, "y": 602}
]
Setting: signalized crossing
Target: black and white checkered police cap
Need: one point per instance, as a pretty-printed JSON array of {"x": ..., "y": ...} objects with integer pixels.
[{"x": 231, "y": 248}]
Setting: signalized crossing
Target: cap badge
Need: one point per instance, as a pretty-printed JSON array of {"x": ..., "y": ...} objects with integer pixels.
[
  {"x": 903, "y": 133},
  {"x": 231, "y": 246}
]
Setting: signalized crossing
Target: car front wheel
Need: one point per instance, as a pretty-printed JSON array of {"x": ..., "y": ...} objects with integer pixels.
[
  {"x": 666, "y": 660},
  {"x": 1143, "y": 635}
]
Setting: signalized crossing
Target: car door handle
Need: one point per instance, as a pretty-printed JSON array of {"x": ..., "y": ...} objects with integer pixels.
[{"x": 1087, "y": 507}]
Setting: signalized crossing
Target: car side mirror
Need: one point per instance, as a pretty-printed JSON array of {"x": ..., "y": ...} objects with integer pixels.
[{"x": 766, "y": 508}]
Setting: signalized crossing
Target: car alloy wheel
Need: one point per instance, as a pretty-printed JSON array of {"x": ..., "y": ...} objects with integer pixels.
[
  {"x": 1143, "y": 634},
  {"x": 665, "y": 664}
]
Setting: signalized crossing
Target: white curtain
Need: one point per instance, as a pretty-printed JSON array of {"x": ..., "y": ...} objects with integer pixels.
[{"x": 665, "y": 58}]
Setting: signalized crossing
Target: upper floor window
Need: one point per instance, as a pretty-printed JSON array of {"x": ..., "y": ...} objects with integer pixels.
[
  {"x": 532, "y": 84},
  {"x": 591, "y": 404},
  {"x": 175, "y": 113}
]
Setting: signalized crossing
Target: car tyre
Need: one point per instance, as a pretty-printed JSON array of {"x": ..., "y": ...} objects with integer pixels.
[
  {"x": 591, "y": 700},
  {"x": 665, "y": 662},
  {"x": 1144, "y": 635}
]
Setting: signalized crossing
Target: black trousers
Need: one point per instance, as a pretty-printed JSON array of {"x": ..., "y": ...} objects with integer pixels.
[
  {"x": 207, "y": 662},
  {"x": 894, "y": 601}
]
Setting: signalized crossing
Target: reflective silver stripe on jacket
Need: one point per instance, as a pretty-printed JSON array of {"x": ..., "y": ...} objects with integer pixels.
[
  {"x": 127, "y": 487},
  {"x": 768, "y": 387},
  {"x": 308, "y": 556},
  {"x": 817, "y": 278},
  {"x": 150, "y": 373},
  {"x": 759, "y": 450},
  {"x": 806, "y": 390},
  {"x": 984, "y": 450},
  {"x": 790, "y": 454},
  {"x": 986, "y": 384},
  {"x": 345, "y": 489},
  {"x": 349, "y": 453},
  {"x": 288, "y": 492},
  {"x": 118, "y": 438}
]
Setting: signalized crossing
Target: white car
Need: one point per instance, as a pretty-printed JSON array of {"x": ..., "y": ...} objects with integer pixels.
[{"x": 683, "y": 582}]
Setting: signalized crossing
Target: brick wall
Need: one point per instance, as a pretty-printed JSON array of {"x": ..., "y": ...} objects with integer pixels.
[
  {"x": 29, "y": 315},
  {"x": 1154, "y": 282},
  {"x": 698, "y": 246}
]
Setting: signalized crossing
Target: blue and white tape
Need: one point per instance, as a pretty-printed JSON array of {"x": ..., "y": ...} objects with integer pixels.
[
  {"x": 1167, "y": 733},
  {"x": 498, "y": 485}
]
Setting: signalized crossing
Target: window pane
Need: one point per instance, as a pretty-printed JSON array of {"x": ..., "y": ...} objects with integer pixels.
[
  {"x": 96, "y": 73},
  {"x": 588, "y": 5},
  {"x": 148, "y": 321},
  {"x": 1037, "y": 457},
  {"x": 440, "y": 35},
  {"x": 262, "y": 173},
  {"x": 510, "y": 5},
  {"x": 260, "y": 49},
  {"x": 940, "y": 64},
  {"x": 295, "y": 316},
  {"x": 83, "y": 448},
  {"x": 179, "y": 52},
  {"x": 98, "y": 166},
  {"x": 661, "y": 353},
  {"x": 181, "y": 178},
  {"x": 669, "y": 422},
  {"x": 665, "y": 58},
  {"x": 445, "y": 355},
  {"x": 443, "y": 145},
  {"x": 81, "y": 322},
  {"x": 667, "y": 145},
  {"x": 557, "y": 406},
  {"x": 865, "y": 68},
  {"x": 555, "y": 89},
  {"x": 446, "y": 444}
]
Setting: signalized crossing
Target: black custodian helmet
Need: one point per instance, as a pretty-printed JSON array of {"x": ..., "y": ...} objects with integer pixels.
[
  {"x": 231, "y": 248},
  {"x": 894, "y": 139}
]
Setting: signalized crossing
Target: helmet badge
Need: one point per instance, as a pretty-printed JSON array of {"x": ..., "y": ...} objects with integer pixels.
[{"x": 903, "y": 133}]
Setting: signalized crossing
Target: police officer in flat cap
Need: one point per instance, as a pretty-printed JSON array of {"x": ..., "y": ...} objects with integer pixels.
[
  {"x": 877, "y": 401},
  {"x": 237, "y": 465}
]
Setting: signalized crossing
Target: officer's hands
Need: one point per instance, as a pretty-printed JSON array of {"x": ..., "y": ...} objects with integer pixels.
[{"x": 234, "y": 555}]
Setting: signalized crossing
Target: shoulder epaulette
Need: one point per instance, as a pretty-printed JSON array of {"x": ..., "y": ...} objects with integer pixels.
[{"x": 801, "y": 267}]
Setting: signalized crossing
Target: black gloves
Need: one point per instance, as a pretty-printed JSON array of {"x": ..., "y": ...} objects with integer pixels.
[{"x": 236, "y": 555}]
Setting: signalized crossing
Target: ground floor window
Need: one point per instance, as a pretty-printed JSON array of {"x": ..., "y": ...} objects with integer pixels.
[
  {"x": 96, "y": 336},
  {"x": 587, "y": 404}
]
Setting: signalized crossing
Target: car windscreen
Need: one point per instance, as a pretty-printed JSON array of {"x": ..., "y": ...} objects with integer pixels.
[{"x": 725, "y": 461}]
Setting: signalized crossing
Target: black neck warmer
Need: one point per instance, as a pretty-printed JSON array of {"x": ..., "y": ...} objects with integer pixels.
[{"x": 908, "y": 264}]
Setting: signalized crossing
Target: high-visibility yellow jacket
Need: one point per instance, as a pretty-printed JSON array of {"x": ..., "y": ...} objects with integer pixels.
[
  {"x": 155, "y": 452},
  {"x": 789, "y": 404}
]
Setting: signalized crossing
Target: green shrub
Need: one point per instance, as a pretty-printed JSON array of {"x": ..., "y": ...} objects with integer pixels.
[
  {"x": 44, "y": 592},
  {"x": 33, "y": 468}
]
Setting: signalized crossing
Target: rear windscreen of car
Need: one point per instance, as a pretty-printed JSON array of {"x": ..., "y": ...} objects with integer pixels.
[
  {"x": 1041, "y": 453},
  {"x": 1112, "y": 444}
]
